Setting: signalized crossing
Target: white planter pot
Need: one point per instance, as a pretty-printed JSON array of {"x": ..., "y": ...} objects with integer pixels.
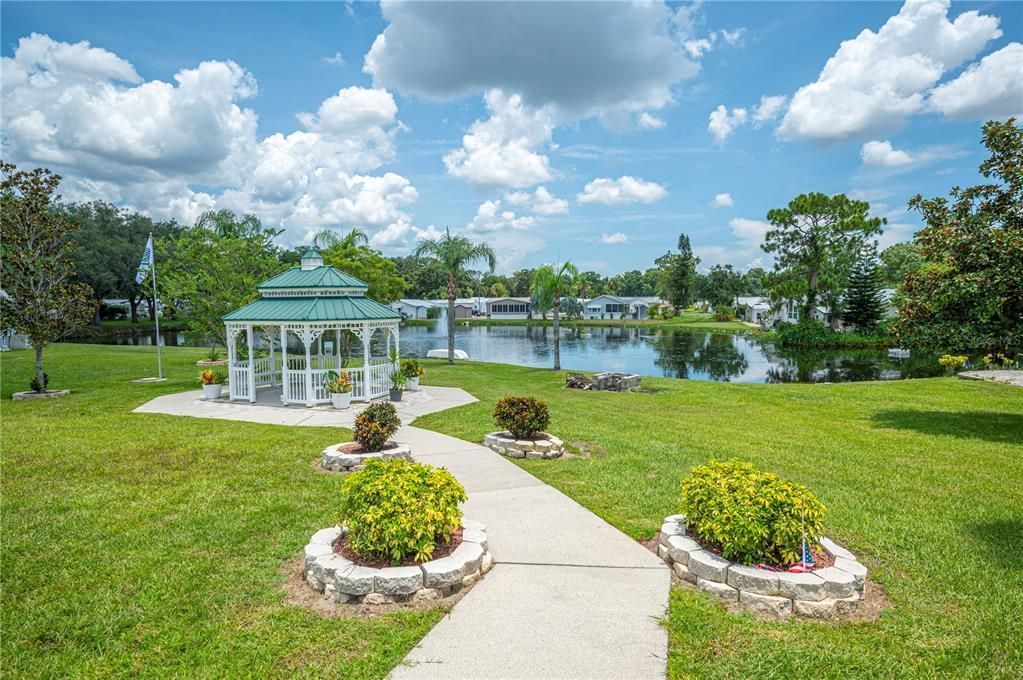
[
  {"x": 413, "y": 384},
  {"x": 212, "y": 391},
  {"x": 341, "y": 400}
]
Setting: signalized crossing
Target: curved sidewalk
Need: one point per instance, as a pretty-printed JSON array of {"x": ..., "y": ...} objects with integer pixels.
[{"x": 569, "y": 597}]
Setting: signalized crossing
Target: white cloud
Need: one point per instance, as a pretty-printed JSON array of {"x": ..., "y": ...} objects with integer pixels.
[
  {"x": 621, "y": 191},
  {"x": 540, "y": 202},
  {"x": 505, "y": 149},
  {"x": 882, "y": 154},
  {"x": 722, "y": 201},
  {"x": 768, "y": 109},
  {"x": 749, "y": 232},
  {"x": 733, "y": 37},
  {"x": 744, "y": 253},
  {"x": 614, "y": 239},
  {"x": 723, "y": 123},
  {"x": 337, "y": 59},
  {"x": 697, "y": 47},
  {"x": 876, "y": 80},
  {"x": 490, "y": 217},
  {"x": 174, "y": 150},
  {"x": 992, "y": 88},
  {"x": 647, "y": 121},
  {"x": 578, "y": 57}
]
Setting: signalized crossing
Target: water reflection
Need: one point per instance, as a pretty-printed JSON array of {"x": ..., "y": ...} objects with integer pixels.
[{"x": 674, "y": 353}]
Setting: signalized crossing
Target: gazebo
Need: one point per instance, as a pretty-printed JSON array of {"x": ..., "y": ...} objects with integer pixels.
[{"x": 326, "y": 312}]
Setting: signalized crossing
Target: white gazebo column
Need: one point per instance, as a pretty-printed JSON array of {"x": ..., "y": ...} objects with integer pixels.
[
  {"x": 252, "y": 363},
  {"x": 268, "y": 333},
  {"x": 367, "y": 370},
  {"x": 285, "y": 384},
  {"x": 232, "y": 389},
  {"x": 307, "y": 340}
]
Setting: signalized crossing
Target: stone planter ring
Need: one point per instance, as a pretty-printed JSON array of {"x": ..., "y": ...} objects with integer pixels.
[
  {"x": 822, "y": 593},
  {"x": 337, "y": 460},
  {"x": 545, "y": 446},
  {"x": 343, "y": 581}
]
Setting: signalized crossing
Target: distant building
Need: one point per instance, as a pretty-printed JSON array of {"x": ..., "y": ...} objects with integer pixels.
[
  {"x": 412, "y": 309},
  {"x": 619, "y": 307},
  {"x": 508, "y": 308},
  {"x": 759, "y": 310}
]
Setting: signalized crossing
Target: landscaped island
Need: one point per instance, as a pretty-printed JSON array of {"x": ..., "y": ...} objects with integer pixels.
[{"x": 182, "y": 538}]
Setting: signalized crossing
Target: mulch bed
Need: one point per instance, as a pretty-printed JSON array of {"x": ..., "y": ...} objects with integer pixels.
[
  {"x": 821, "y": 558},
  {"x": 441, "y": 550},
  {"x": 354, "y": 447}
]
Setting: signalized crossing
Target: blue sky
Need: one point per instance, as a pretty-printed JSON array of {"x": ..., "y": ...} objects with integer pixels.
[{"x": 573, "y": 131}]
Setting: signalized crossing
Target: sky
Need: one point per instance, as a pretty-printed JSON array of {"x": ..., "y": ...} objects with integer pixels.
[{"x": 590, "y": 132}]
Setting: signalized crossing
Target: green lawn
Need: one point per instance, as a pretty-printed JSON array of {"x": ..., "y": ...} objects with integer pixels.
[
  {"x": 923, "y": 479},
  {"x": 155, "y": 544},
  {"x": 145, "y": 542}
]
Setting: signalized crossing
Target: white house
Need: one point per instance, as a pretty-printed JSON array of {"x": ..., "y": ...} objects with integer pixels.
[
  {"x": 759, "y": 310},
  {"x": 412, "y": 309},
  {"x": 508, "y": 308},
  {"x": 618, "y": 307}
]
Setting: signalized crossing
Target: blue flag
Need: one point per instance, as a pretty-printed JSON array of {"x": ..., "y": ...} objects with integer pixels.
[{"x": 147, "y": 261}]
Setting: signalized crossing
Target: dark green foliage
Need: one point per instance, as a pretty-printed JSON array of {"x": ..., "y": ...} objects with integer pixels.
[
  {"x": 524, "y": 417},
  {"x": 723, "y": 313},
  {"x": 678, "y": 275},
  {"x": 864, "y": 307},
  {"x": 814, "y": 334},
  {"x": 721, "y": 285},
  {"x": 898, "y": 260},
  {"x": 752, "y": 516},
  {"x": 35, "y": 386},
  {"x": 399, "y": 509},
  {"x": 375, "y": 425}
]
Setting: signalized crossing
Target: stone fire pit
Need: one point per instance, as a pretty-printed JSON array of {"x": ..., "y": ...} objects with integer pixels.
[
  {"x": 546, "y": 446},
  {"x": 336, "y": 460},
  {"x": 616, "y": 382},
  {"x": 821, "y": 594},
  {"x": 343, "y": 581}
]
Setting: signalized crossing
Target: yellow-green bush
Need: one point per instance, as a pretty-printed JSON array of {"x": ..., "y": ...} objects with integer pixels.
[
  {"x": 753, "y": 516},
  {"x": 397, "y": 509}
]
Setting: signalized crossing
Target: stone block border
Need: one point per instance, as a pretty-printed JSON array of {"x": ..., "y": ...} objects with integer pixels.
[
  {"x": 339, "y": 461},
  {"x": 343, "y": 581},
  {"x": 548, "y": 446},
  {"x": 48, "y": 394},
  {"x": 821, "y": 594}
]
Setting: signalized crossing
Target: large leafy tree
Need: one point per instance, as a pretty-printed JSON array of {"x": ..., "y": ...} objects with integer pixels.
[
  {"x": 214, "y": 268},
  {"x": 40, "y": 297},
  {"x": 381, "y": 273},
  {"x": 864, "y": 308},
  {"x": 554, "y": 282},
  {"x": 898, "y": 260},
  {"x": 721, "y": 285},
  {"x": 968, "y": 293},
  {"x": 815, "y": 240},
  {"x": 455, "y": 253},
  {"x": 110, "y": 242},
  {"x": 678, "y": 274}
]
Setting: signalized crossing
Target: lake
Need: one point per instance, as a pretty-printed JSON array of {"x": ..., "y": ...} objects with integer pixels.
[{"x": 667, "y": 352}]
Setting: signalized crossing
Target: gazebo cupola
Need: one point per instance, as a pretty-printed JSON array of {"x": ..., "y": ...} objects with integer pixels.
[{"x": 321, "y": 320}]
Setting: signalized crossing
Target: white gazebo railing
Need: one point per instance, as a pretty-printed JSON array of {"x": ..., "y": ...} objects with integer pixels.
[{"x": 302, "y": 375}]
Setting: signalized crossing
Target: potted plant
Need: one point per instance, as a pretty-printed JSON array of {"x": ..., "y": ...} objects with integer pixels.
[
  {"x": 212, "y": 383},
  {"x": 339, "y": 387},
  {"x": 398, "y": 380},
  {"x": 410, "y": 367}
]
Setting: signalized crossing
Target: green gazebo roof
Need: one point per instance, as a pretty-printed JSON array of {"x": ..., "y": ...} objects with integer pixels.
[
  {"x": 327, "y": 308},
  {"x": 320, "y": 277}
]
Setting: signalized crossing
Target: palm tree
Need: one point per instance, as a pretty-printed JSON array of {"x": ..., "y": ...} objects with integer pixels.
[
  {"x": 454, "y": 254},
  {"x": 551, "y": 282},
  {"x": 327, "y": 238}
]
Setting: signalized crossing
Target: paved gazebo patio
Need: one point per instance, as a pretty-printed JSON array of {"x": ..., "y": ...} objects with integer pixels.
[{"x": 325, "y": 311}]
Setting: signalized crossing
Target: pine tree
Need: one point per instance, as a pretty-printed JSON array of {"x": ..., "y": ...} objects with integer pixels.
[{"x": 864, "y": 307}]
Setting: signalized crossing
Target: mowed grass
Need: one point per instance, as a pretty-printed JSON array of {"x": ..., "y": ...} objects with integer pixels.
[
  {"x": 923, "y": 479},
  {"x": 138, "y": 544}
]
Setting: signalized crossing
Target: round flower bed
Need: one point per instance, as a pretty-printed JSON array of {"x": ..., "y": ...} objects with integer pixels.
[
  {"x": 542, "y": 445},
  {"x": 344, "y": 580},
  {"x": 822, "y": 593},
  {"x": 350, "y": 457}
]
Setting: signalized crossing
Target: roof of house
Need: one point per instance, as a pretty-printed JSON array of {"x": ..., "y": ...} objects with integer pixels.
[
  {"x": 316, "y": 308},
  {"x": 321, "y": 277},
  {"x": 491, "y": 301},
  {"x": 413, "y": 302}
]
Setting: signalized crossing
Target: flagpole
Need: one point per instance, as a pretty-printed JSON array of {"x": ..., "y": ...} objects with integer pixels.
[{"x": 156, "y": 311}]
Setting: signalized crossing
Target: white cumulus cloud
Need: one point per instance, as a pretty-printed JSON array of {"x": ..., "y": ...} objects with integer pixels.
[
  {"x": 991, "y": 88},
  {"x": 722, "y": 201},
  {"x": 540, "y": 202},
  {"x": 621, "y": 191},
  {"x": 877, "y": 79},
  {"x": 722, "y": 122},
  {"x": 614, "y": 239},
  {"x": 881, "y": 153}
]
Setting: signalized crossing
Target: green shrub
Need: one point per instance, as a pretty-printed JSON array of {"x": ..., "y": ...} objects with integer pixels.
[
  {"x": 524, "y": 417},
  {"x": 815, "y": 334},
  {"x": 753, "y": 516},
  {"x": 36, "y": 387},
  {"x": 952, "y": 363},
  {"x": 723, "y": 313},
  {"x": 397, "y": 508},
  {"x": 374, "y": 425}
]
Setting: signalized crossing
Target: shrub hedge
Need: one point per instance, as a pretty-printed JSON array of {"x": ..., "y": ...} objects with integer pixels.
[
  {"x": 375, "y": 425},
  {"x": 753, "y": 516},
  {"x": 397, "y": 509}
]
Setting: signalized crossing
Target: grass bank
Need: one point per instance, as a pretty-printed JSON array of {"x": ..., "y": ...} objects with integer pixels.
[
  {"x": 140, "y": 544},
  {"x": 921, "y": 479}
]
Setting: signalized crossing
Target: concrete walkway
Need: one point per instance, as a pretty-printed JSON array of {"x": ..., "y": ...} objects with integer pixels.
[
  {"x": 1009, "y": 377},
  {"x": 570, "y": 596}
]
